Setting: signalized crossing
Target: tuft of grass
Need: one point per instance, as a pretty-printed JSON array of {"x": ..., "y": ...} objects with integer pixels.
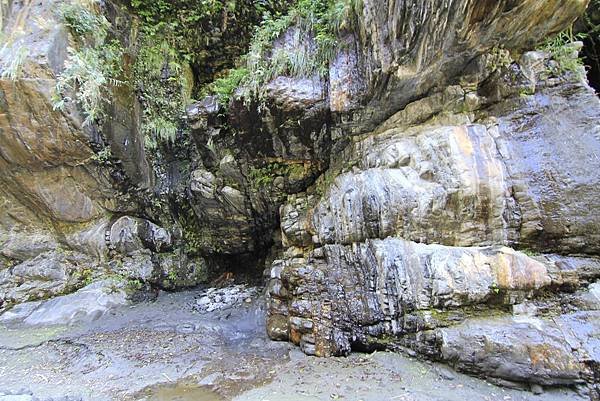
[
  {"x": 563, "y": 51},
  {"x": 12, "y": 64},
  {"x": 322, "y": 19}
]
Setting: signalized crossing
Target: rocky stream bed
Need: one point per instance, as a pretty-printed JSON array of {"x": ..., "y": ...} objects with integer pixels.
[{"x": 208, "y": 345}]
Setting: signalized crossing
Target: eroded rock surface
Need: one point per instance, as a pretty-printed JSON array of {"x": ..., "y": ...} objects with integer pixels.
[
  {"x": 164, "y": 349},
  {"x": 83, "y": 306},
  {"x": 410, "y": 241},
  {"x": 403, "y": 50},
  {"x": 426, "y": 192}
]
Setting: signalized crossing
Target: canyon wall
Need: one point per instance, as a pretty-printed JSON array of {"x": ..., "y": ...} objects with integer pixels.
[{"x": 435, "y": 190}]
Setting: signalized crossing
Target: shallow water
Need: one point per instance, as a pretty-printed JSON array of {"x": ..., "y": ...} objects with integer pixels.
[{"x": 182, "y": 392}]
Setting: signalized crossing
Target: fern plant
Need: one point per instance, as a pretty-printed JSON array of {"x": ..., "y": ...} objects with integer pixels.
[
  {"x": 84, "y": 19},
  {"x": 162, "y": 129},
  {"x": 88, "y": 75},
  {"x": 225, "y": 86},
  {"x": 325, "y": 19},
  {"x": 93, "y": 64},
  {"x": 162, "y": 75}
]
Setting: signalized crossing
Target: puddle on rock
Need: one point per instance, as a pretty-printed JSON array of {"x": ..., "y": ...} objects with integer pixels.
[{"x": 181, "y": 392}]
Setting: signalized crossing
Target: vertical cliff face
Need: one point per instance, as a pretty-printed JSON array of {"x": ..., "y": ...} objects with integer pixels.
[
  {"x": 457, "y": 214},
  {"x": 52, "y": 193},
  {"x": 400, "y": 52},
  {"x": 96, "y": 152},
  {"x": 429, "y": 181}
]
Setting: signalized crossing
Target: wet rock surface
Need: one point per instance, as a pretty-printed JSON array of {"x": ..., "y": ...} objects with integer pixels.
[
  {"x": 133, "y": 347},
  {"x": 411, "y": 243}
]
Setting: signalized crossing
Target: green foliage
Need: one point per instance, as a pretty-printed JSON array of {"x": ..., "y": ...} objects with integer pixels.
[
  {"x": 193, "y": 28},
  {"x": 563, "y": 51},
  {"x": 526, "y": 91},
  {"x": 13, "y": 59},
  {"x": 495, "y": 289},
  {"x": 173, "y": 14},
  {"x": 326, "y": 18},
  {"x": 178, "y": 21},
  {"x": 324, "y": 183},
  {"x": 162, "y": 76},
  {"x": 85, "y": 276},
  {"x": 121, "y": 280},
  {"x": 529, "y": 252},
  {"x": 323, "y": 18},
  {"x": 498, "y": 59},
  {"x": 193, "y": 239},
  {"x": 13, "y": 53},
  {"x": 84, "y": 20},
  {"x": 93, "y": 65},
  {"x": 263, "y": 177},
  {"x": 172, "y": 276},
  {"x": 224, "y": 87},
  {"x": 133, "y": 285},
  {"x": 103, "y": 156},
  {"x": 261, "y": 66},
  {"x": 158, "y": 129},
  {"x": 88, "y": 75}
]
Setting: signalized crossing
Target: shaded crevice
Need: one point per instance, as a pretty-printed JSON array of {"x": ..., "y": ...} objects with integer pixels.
[{"x": 589, "y": 26}]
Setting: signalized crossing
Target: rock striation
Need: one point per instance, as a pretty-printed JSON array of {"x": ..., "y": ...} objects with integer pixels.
[
  {"x": 462, "y": 227},
  {"x": 433, "y": 190},
  {"x": 413, "y": 242},
  {"x": 65, "y": 217}
]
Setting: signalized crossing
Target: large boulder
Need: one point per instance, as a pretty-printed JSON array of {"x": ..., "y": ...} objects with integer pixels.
[
  {"x": 83, "y": 306},
  {"x": 48, "y": 274},
  {"x": 552, "y": 352},
  {"x": 130, "y": 234}
]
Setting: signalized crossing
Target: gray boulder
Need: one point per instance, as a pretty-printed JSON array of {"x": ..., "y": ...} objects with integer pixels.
[
  {"x": 48, "y": 274},
  {"x": 83, "y": 306},
  {"x": 533, "y": 350},
  {"x": 130, "y": 234}
]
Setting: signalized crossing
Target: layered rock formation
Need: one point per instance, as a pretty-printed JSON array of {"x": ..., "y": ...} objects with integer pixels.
[
  {"x": 61, "y": 201},
  {"x": 434, "y": 190},
  {"x": 412, "y": 243},
  {"x": 407, "y": 242}
]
